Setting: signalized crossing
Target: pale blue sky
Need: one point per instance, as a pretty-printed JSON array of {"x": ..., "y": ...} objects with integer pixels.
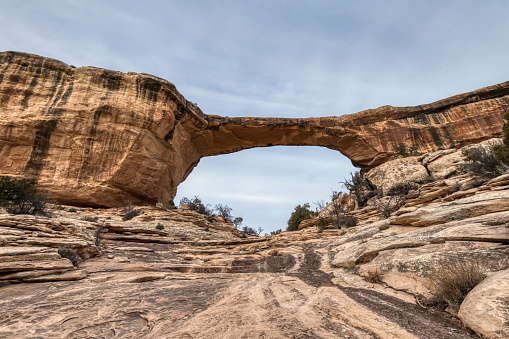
[{"x": 275, "y": 58}]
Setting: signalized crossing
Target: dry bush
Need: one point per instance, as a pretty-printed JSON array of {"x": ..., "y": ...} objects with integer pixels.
[
  {"x": 483, "y": 162},
  {"x": 450, "y": 283},
  {"x": 374, "y": 275},
  {"x": 69, "y": 253}
]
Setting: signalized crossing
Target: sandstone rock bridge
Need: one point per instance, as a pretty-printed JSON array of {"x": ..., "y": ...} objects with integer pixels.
[{"x": 96, "y": 137}]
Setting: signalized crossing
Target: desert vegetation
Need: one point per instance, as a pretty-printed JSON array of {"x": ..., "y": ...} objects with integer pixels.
[
  {"x": 482, "y": 161},
  {"x": 196, "y": 204},
  {"x": 69, "y": 253},
  {"x": 130, "y": 212},
  {"x": 335, "y": 214},
  {"x": 403, "y": 151},
  {"x": 450, "y": 283},
  {"x": 223, "y": 211},
  {"x": 299, "y": 214},
  {"x": 20, "y": 197},
  {"x": 359, "y": 188},
  {"x": 393, "y": 200}
]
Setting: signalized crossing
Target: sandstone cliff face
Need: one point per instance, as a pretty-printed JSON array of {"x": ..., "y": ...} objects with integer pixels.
[
  {"x": 96, "y": 137},
  {"x": 91, "y": 136}
]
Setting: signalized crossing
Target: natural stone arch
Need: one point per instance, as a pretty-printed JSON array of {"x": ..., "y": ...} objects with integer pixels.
[{"x": 96, "y": 137}]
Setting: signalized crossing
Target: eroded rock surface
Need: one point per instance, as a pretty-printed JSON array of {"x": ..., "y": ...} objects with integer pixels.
[
  {"x": 193, "y": 278},
  {"x": 486, "y": 308},
  {"x": 95, "y": 137}
]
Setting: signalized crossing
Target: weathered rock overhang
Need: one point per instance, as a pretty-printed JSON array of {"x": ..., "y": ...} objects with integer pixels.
[{"x": 96, "y": 137}]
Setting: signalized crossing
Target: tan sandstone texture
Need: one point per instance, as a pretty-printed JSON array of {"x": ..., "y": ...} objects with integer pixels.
[
  {"x": 96, "y": 137},
  {"x": 179, "y": 274},
  {"x": 486, "y": 307}
]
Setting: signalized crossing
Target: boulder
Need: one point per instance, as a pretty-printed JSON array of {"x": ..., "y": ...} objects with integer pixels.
[
  {"x": 486, "y": 308},
  {"x": 398, "y": 171},
  {"x": 444, "y": 163}
]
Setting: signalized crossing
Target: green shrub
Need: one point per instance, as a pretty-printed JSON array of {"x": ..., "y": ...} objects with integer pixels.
[
  {"x": 276, "y": 232},
  {"x": 350, "y": 221},
  {"x": 170, "y": 205},
  {"x": 224, "y": 211},
  {"x": 237, "y": 221},
  {"x": 402, "y": 188},
  {"x": 69, "y": 253},
  {"x": 251, "y": 231},
  {"x": 19, "y": 197},
  {"x": 403, "y": 151},
  {"x": 450, "y": 283},
  {"x": 300, "y": 213},
  {"x": 196, "y": 204},
  {"x": 394, "y": 198}
]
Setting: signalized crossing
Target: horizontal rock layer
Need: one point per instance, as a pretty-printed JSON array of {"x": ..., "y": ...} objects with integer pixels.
[{"x": 96, "y": 137}]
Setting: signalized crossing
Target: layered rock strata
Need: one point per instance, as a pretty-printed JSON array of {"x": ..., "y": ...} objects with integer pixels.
[{"x": 96, "y": 137}]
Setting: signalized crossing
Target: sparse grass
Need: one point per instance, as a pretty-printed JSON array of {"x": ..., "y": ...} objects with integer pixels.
[
  {"x": 350, "y": 221},
  {"x": 450, "y": 283}
]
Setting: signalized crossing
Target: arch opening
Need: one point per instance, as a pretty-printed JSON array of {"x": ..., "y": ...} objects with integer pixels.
[{"x": 263, "y": 185}]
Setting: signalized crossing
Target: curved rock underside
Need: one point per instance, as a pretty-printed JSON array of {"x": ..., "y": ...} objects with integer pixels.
[{"x": 96, "y": 137}]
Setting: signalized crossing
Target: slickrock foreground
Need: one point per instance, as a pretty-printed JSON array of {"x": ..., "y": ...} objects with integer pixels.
[
  {"x": 96, "y": 137},
  {"x": 179, "y": 274},
  {"x": 192, "y": 279}
]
